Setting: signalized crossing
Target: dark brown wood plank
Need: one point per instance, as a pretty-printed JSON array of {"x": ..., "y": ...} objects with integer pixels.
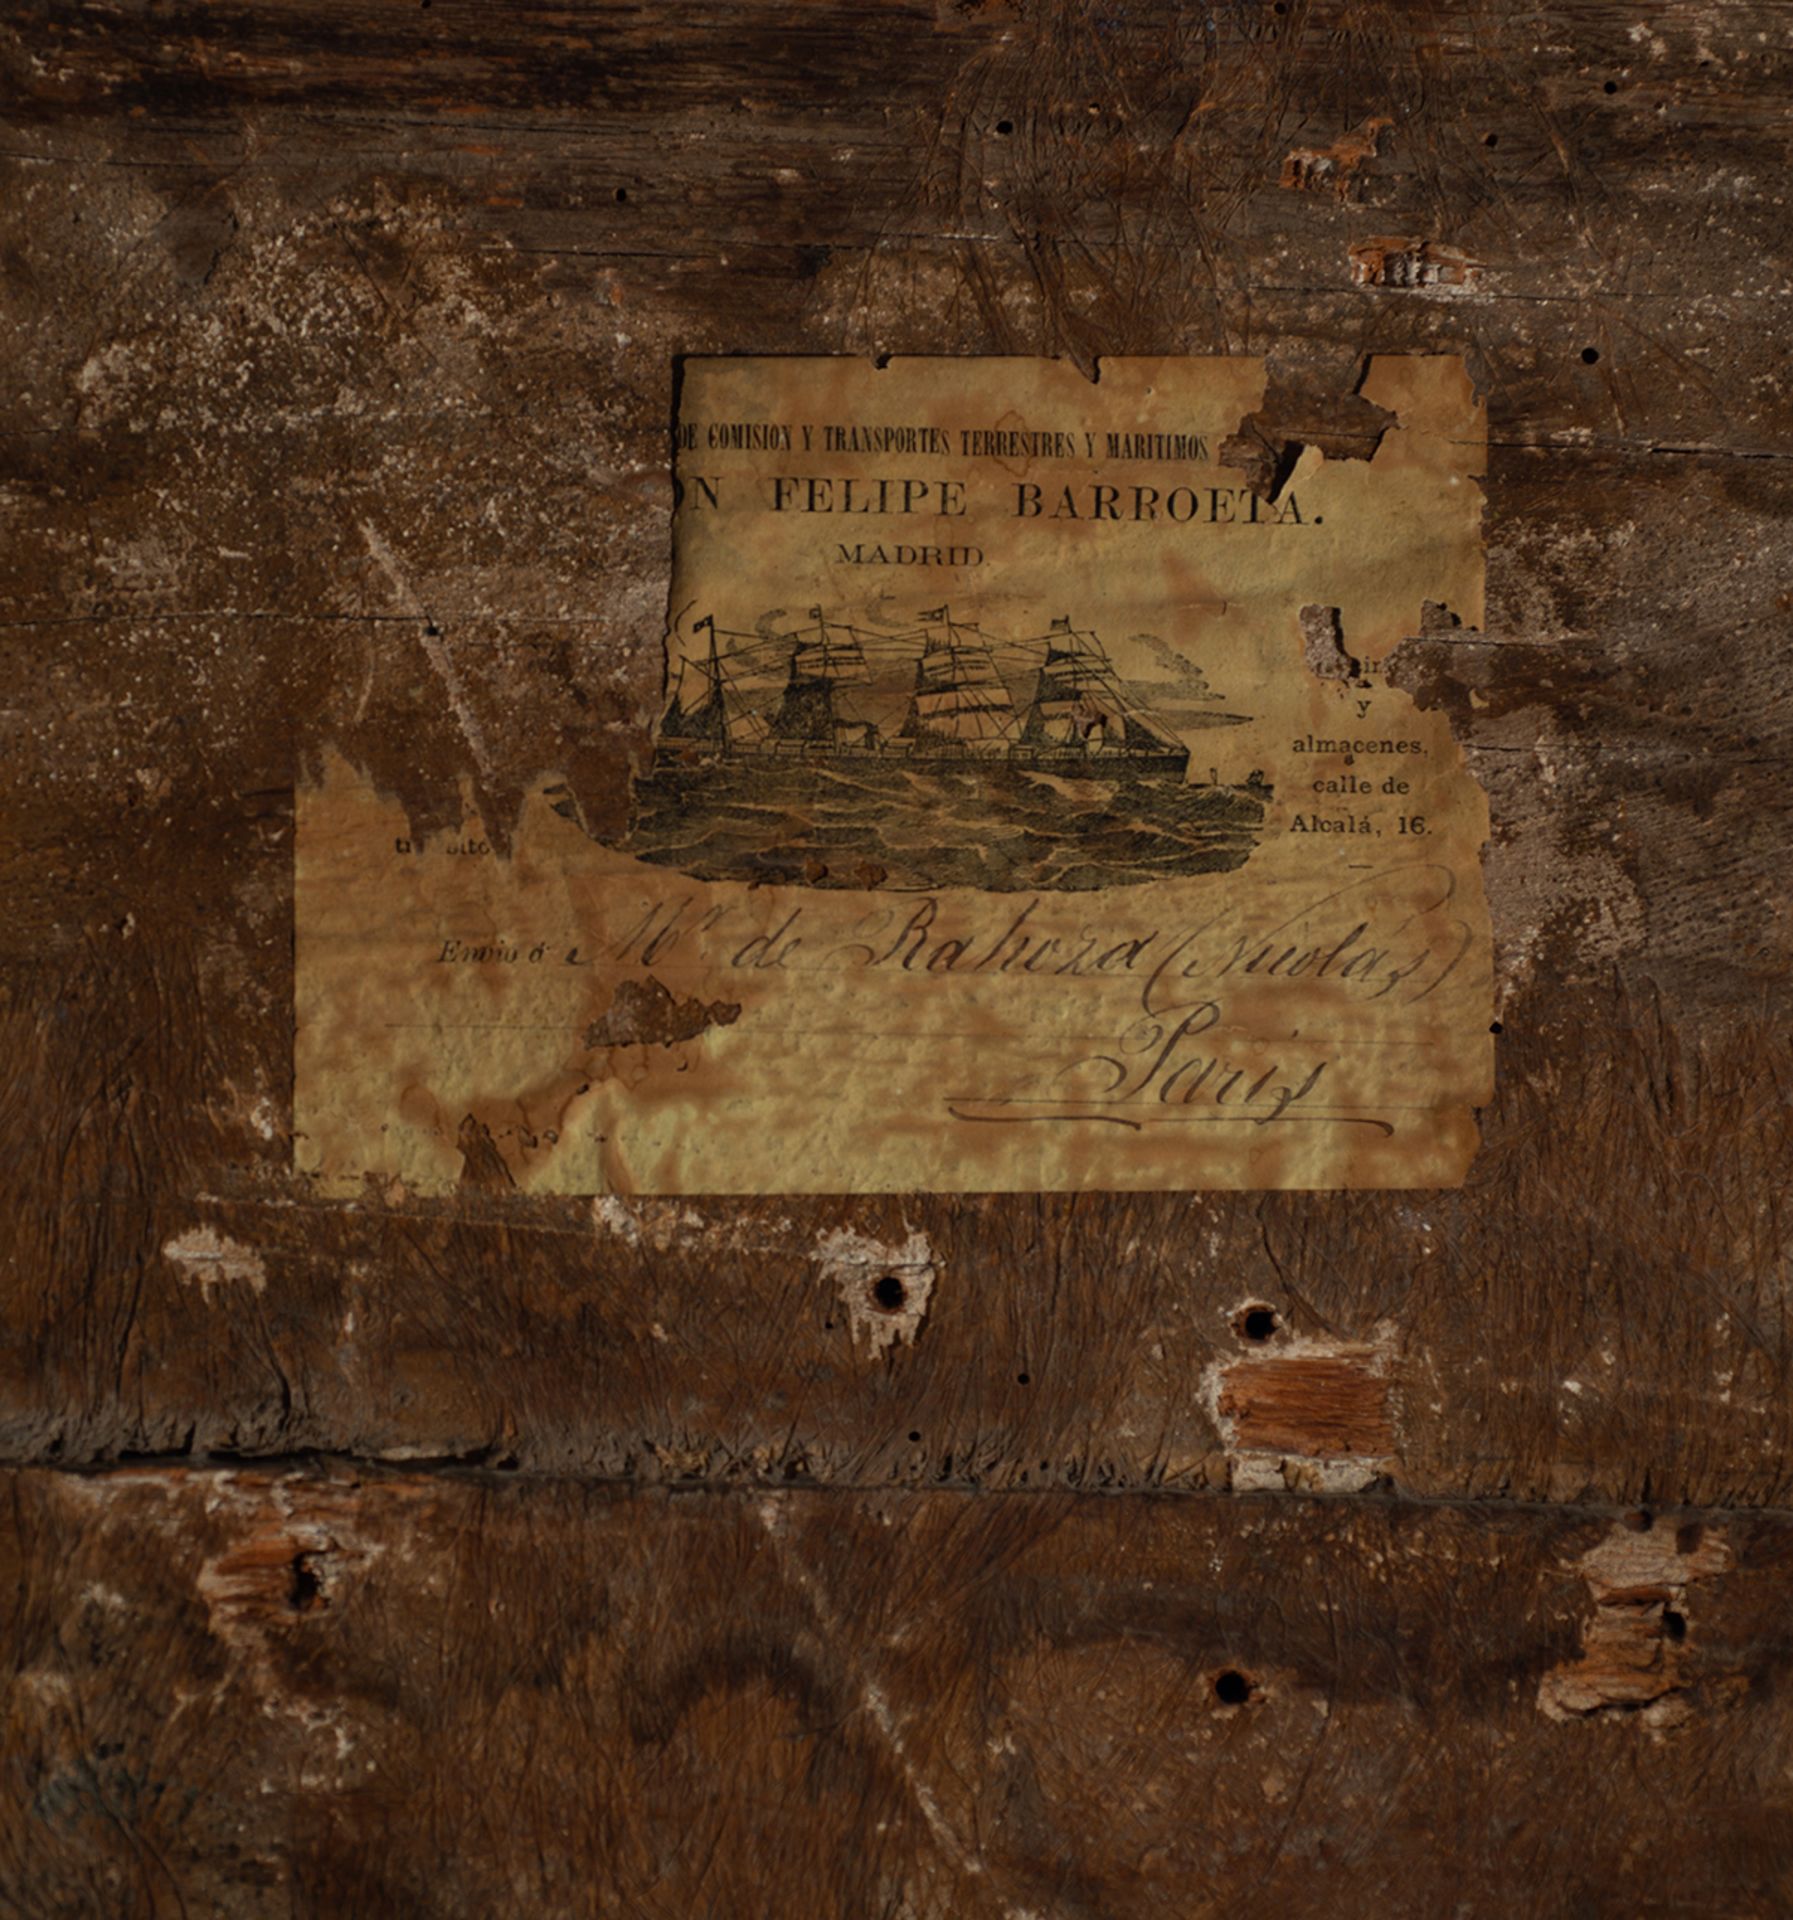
[
  {"x": 266, "y": 324},
  {"x": 718, "y": 1613},
  {"x": 326, "y": 1693}
]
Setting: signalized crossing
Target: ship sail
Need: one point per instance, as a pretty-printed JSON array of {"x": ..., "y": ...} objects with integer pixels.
[
  {"x": 960, "y": 699},
  {"x": 831, "y": 652},
  {"x": 700, "y": 713},
  {"x": 1079, "y": 703},
  {"x": 829, "y": 656},
  {"x": 707, "y": 707},
  {"x": 1076, "y": 701},
  {"x": 792, "y": 693}
]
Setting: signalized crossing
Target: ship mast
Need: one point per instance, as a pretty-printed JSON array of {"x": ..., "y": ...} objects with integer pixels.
[
  {"x": 840, "y": 662},
  {"x": 717, "y": 704},
  {"x": 1079, "y": 701},
  {"x": 708, "y": 718},
  {"x": 806, "y": 714}
]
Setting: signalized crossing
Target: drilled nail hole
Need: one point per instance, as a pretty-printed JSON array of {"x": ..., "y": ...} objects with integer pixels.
[
  {"x": 1256, "y": 1323},
  {"x": 1497, "y": 1028},
  {"x": 1674, "y": 1624},
  {"x": 622, "y": 193},
  {"x": 305, "y": 1590},
  {"x": 1024, "y": 1379},
  {"x": 1589, "y": 355},
  {"x": 1491, "y": 139},
  {"x": 1612, "y": 86},
  {"x": 889, "y": 1293},
  {"x": 1231, "y": 1688},
  {"x": 1005, "y": 127},
  {"x": 914, "y": 1437}
]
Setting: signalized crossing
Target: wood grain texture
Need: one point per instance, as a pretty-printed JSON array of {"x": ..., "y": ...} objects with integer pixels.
[
  {"x": 333, "y": 327},
  {"x": 321, "y": 1693}
]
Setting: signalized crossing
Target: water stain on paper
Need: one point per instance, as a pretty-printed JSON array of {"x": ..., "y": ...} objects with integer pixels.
[{"x": 1012, "y": 821}]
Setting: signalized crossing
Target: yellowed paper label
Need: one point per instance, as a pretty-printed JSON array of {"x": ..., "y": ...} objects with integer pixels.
[{"x": 1027, "y": 811}]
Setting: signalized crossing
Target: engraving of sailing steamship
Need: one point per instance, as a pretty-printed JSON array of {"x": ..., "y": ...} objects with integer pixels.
[{"x": 835, "y": 755}]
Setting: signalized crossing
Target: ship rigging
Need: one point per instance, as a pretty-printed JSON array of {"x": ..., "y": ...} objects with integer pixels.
[{"x": 804, "y": 693}]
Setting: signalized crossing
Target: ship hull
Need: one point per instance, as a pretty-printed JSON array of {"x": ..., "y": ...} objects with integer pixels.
[{"x": 1072, "y": 762}]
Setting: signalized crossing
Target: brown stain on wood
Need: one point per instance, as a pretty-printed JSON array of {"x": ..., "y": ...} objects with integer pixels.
[
  {"x": 617, "y": 1696},
  {"x": 766, "y": 1681},
  {"x": 1317, "y": 1405}
]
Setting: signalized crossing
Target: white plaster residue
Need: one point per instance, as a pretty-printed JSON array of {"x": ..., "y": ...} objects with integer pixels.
[
  {"x": 608, "y": 1211},
  {"x": 885, "y": 1288},
  {"x": 205, "y": 1255},
  {"x": 1258, "y": 1473},
  {"x": 665, "y": 1225}
]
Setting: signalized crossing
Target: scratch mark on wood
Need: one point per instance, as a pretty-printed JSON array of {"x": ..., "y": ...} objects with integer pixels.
[{"x": 429, "y": 637}]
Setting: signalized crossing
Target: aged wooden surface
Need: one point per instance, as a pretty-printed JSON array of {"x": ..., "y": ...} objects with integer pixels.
[
  {"x": 340, "y": 342},
  {"x": 260, "y": 1693}
]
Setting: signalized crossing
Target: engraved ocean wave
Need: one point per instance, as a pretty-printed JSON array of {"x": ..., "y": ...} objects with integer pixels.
[
  {"x": 821, "y": 754},
  {"x": 991, "y": 826}
]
